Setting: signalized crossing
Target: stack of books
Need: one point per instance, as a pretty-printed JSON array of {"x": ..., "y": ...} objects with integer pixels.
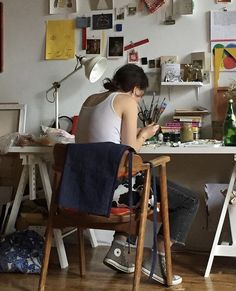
[
  {"x": 171, "y": 130},
  {"x": 190, "y": 115}
]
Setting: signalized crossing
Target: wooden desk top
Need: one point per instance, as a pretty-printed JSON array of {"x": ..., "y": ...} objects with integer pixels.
[
  {"x": 190, "y": 149},
  {"x": 31, "y": 149}
]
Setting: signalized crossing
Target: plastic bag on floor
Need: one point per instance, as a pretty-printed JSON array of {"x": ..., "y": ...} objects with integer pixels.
[{"x": 21, "y": 251}]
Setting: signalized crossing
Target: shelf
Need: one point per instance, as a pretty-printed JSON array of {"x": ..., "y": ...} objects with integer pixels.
[{"x": 196, "y": 85}]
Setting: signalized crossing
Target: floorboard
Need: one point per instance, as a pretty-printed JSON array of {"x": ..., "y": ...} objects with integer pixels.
[{"x": 190, "y": 266}]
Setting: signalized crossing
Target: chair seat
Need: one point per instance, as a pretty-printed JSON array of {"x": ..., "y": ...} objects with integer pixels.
[{"x": 84, "y": 219}]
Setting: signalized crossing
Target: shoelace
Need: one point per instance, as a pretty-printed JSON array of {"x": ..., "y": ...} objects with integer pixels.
[
  {"x": 163, "y": 264},
  {"x": 124, "y": 256}
]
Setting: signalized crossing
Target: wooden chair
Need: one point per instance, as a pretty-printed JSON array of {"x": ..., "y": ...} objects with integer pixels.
[{"x": 60, "y": 218}]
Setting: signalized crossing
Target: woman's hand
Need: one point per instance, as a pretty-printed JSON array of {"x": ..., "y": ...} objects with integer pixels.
[{"x": 148, "y": 131}]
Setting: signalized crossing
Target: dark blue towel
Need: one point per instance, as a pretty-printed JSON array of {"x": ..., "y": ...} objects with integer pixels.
[{"x": 89, "y": 177}]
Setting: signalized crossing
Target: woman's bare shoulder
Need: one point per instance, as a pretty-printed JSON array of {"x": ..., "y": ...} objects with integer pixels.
[
  {"x": 125, "y": 103},
  {"x": 124, "y": 97},
  {"x": 126, "y": 100}
]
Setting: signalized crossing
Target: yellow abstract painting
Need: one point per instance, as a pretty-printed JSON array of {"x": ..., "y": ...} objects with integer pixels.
[{"x": 60, "y": 40}]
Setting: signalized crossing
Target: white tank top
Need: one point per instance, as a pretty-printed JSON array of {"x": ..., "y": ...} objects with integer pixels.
[{"x": 99, "y": 123}]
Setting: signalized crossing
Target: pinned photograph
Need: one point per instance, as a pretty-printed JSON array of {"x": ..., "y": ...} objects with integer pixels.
[
  {"x": 93, "y": 46},
  {"x": 120, "y": 13},
  {"x": 115, "y": 47},
  {"x": 63, "y": 6},
  {"x": 102, "y": 21},
  {"x": 132, "y": 9},
  {"x": 101, "y": 4},
  {"x": 151, "y": 64}
]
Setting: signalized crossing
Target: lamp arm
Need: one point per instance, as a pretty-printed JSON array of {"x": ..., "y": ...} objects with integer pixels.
[{"x": 57, "y": 84}]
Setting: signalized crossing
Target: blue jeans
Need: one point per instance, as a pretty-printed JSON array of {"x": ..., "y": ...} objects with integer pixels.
[{"x": 183, "y": 206}]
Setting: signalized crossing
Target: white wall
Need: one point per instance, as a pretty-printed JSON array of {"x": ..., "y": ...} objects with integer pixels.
[{"x": 27, "y": 75}]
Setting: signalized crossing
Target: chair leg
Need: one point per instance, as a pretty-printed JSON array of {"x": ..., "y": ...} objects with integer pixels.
[
  {"x": 46, "y": 255},
  {"x": 141, "y": 234},
  {"x": 80, "y": 233},
  {"x": 165, "y": 223}
]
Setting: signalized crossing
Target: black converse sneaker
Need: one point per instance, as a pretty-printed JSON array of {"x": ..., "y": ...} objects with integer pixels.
[
  {"x": 159, "y": 273},
  {"x": 116, "y": 258}
]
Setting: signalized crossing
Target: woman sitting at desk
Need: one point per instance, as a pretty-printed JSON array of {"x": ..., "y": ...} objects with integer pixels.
[{"x": 112, "y": 116}]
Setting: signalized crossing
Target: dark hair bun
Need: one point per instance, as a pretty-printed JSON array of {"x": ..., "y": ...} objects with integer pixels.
[{"x": 126, "y": 78}]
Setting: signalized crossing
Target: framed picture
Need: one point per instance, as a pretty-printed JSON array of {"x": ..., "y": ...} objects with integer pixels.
[
  {"x": 102, "y": 21},
  {"x": 1, "y": 37},
  {"x": 115, "y": 46},
  {"x": 151, "y": 64},
  {"x": 63, "y": 6},
  {"x": 93, "y": 46},
  {"x": 101, "y": 4},
  {"x": 12, "y": 118}
]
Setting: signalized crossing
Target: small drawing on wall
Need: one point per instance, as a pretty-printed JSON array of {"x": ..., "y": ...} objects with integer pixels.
[
  {"x": 102, "y": 21},
  {"x": 133, "y": 56},
  {"x": 115, "y": 46},
  {"x": 120, "y": 13},
  {"x": 62, "y": 6},
  {"x": 93, "y": 46},
  {"x": 101, "y": 4}
]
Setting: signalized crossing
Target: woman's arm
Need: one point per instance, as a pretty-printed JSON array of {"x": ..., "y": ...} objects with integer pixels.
[{"x": 129, "y": 117}]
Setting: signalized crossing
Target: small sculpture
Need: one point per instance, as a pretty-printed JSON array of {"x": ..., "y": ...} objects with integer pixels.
[{"x": 193, "y": 73}]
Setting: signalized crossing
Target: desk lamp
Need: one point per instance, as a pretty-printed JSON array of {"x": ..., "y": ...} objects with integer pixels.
[{"x": 94, "y": 69}]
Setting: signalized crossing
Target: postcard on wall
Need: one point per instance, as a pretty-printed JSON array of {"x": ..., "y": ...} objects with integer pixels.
[
  {"x": 101, "y": 4},
  {"x": 102, "y": 21},
  {"x": 115, "y": 47},
  {"x": 60, "y": 40},
  {"x": 63, "y": 6}
]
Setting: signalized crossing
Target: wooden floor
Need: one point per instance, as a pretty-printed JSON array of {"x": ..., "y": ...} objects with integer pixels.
[{"x": 190, "y": 266}]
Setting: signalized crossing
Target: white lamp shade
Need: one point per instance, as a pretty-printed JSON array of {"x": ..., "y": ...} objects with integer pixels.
[{"x": 94, "y": 67}]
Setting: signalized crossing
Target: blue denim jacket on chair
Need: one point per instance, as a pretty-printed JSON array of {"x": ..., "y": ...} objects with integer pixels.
[{"x": 89, "y": 177}]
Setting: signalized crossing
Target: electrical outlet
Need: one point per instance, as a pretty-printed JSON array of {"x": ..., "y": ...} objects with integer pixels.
[{"x": 206, "y": 77}]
